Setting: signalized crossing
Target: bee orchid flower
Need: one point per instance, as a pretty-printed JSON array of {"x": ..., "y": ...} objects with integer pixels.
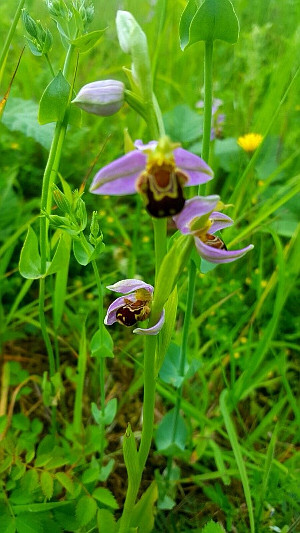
[
  {"x": 199, "y": 218},
  {"x": 134, "y": 306},
  {"x": 158, "y": 171}
]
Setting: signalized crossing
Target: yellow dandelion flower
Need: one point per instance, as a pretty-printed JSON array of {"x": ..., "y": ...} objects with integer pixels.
[
  {"x": 15, "y": 146},
  {"x": 145, "y": 238},
  {"x": 250, "y": 141}
]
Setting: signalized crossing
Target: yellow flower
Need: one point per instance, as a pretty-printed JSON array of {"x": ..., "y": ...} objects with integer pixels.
[{"x": 250, "y": 141}]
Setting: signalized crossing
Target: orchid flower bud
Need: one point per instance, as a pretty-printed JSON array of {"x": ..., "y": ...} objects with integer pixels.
[{"x": 103, "y": 98}]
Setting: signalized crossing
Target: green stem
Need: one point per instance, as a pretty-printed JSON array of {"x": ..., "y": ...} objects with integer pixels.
[
  {"x": 156, "y": 129},
  {"x": 147, "y": 431},
  {"x": 207, "y": 99},
  {"x": 101, "y": 331},
  {"x": 81, "y": 369},
  {"x": 149, "y": 399},
  {"x": 9, "y": 37},
  {"x": 49, "y": 64}
]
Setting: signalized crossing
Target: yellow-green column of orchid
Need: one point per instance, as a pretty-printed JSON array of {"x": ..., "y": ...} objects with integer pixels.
[{"x": 133, "y": 40}]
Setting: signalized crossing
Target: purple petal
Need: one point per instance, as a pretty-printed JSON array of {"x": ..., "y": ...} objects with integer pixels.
[
  {"x": 214, "y": 255},
  {"x": 110, "y": 317},
  {"x": 119, "y": 176},
  {"x": 219, "y": 221},
  {"x": 197, "y": 170},
  {"x": 142, "y": 147},
  {"x": 194, "y": 208},
  {"x": 216, "y": 104},
  {"x": 154, "y": 329},
  {"x": 129, "y": 285}
]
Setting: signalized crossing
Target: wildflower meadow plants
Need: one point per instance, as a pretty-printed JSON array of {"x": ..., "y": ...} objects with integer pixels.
[{"x": 77, "y": 438}]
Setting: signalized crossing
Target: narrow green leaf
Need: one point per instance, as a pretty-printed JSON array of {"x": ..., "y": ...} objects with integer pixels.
[
  {"x": 167, "y": 331},
  {"x": 60, "y": 287},
  {"x": 3, "y": 420},
  {"x": 237, "y": 454},
  {"x": 38, "y": 507},
  {"x": 54, "y": 100},
  {"x": 86, "y": 509},
  {"x": 105, "y": 521},
  {"x": 86, "y": 42},
  {"x": 47, "y": 484},
  {"x": 106, "y": 497},
  {"x": 30, "y": 261},
  {"x": 143, "y": 512}
]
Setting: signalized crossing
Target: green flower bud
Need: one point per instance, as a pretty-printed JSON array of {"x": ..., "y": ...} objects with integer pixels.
[
  {"x": 30, "y": 24},
  {"x": 133, "y": 41},
  {"x": 103, "y": 98},
  {"x": 58, "y": 8},
  {"x": 61, "y": 200}
]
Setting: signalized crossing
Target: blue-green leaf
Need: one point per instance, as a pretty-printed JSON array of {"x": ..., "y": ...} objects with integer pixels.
[
  {"x": 21, "y": 115},
  {"x": 61, "y": 256},
  {"x": 54, "y": 100},
  {"x": 170, "y": 372},
  {"x": 109, "y": 412},
  {"x": 170, "y": 440},
  {"x": 84, "y": 43},
  {"x": 214, "y": 19},
  {"x": 82, "y": 253},
  {"x": 104, "y": 349},
  {"x": 30, "y": 261}
]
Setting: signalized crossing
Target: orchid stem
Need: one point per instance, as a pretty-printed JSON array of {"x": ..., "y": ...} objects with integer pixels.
[
  {"x": 156, "y": 130},
  {"x": 101, "y": 359},
  {"x": 207, "y": 99}
]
